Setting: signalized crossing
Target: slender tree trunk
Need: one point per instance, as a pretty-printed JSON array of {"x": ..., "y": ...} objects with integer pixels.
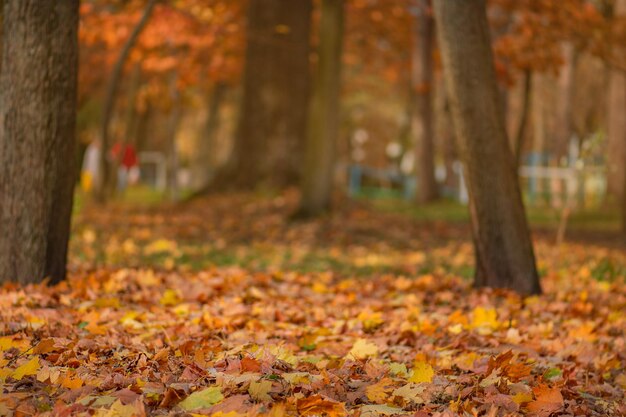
[
  {"x": 132, "y": 115},
  {"x": 324, "y": 123},
  {"x": 423, "y": 126},
  {"x": 105, "y": 170},
  {"x": 624, "y": 210},
  {"x": 564, "y": 127},
  {"x": 449, "y": 147},
  {"x": 37, "y": 138},
  {"x": 174, "y": 122},
  {"x": 206, "y": 160},
  {"x": 616, "y": 123},
  {"x": 539, "y": 110},
  {"x": 520, "y": 135},
  {"x": 271, "y": 131},
  {"x": 1, "y": 30},
  {"x": 504, "y": 252},
  {"x": 143, "y": 125}
]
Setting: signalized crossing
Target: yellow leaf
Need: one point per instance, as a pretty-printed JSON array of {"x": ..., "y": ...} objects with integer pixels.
[
  {"x": 259, "y": 390},
  {"x": 422, "y": 372},
  {"x": 118, "y": 410},
  {"x": 621, "y": 380},
  {"x": 398, "y": 369},
  {"x": 370, "y": 320},
  {"x": 29, "y": 368},
  {"x": 170, "y": 298},
  {"x": 8, "y": 342},
  {"x": 522, "y": 397},
  {"x": 160, "y": 246},
  {"x": 5, "y": 373},
  {"x": 362, "y": 349},
  {"x": 378, "y": 393},
  {"x": 485, "y": 320},
  {"x": 202, "y": 399}
]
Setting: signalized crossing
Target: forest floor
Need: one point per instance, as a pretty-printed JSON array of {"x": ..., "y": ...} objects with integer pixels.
[{"x": 225, "y": 307}]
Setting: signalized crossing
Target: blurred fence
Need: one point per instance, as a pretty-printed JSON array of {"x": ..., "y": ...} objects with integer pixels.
[
  {"x": 153, "y": 169},
  {"x": 541, "y": 185}
]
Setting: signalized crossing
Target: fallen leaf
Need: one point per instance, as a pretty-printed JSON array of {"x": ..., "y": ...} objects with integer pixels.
[
  {"x": 259, "y": 390},
  {"x": 378, "y": 410},
  {"x": 362, "y": 349},
  {"x": 318, "y": 405},
  {"x": 202, "y": 399},
  {"x": 547, "y": 401},
  {"x": 422, "y": 372},
  {"x": 29, "y": 368}
]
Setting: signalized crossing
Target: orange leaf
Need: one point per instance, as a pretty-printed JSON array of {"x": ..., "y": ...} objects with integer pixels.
[
  {"x": 318, "y": 405},
  {"x": 548, "y": 400}
]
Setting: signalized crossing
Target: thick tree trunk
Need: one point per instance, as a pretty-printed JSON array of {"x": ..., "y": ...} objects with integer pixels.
[
  {"x": 37, "y": 138},
  {"x": 423, "y": 123},
  {"x": 504, "y": 252},
  {"x": 106, "y": 174},
  {"x": 324, "y": 123},
  {"x": 271, "y": 131}
]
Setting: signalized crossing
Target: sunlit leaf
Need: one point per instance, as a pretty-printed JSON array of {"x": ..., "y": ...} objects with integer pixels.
[{"x": 202, "y": 399}]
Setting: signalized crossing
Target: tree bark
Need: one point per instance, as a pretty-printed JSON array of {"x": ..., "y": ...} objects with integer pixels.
[
  {"x": 565, "y": 125},
  {"x": 423, "y": 126},
  {"x": 504, "y": 252},
  {"x": 271, "y": 131},
  {"x": 206, "y": 160},
  {"x": 38, "y": 87},
  {"x": 324, "y": 122},
  {"x": 624, "y": 210},
  {"x": 109, "y": 102},
  {"x": 616, "y": 123},
  {"x": 176, "y": 114},
  {"x": 520, "y": 135}
]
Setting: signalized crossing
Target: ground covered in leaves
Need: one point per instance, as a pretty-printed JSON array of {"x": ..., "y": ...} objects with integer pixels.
[{"x": 225, "y": 307}]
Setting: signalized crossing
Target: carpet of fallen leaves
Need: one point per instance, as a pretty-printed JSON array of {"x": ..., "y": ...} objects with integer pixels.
[{"x": 368, "y": 315}]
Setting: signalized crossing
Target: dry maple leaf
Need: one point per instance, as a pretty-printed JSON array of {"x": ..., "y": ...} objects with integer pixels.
[
  {"x": 318, "y": 405},
  {"x": 547, "y": 401}
]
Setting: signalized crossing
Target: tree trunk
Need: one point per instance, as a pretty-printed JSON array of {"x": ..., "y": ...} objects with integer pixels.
[
  {"x": 324, "y": 123},
  {"x": 504, "y": 252},
  {"x": 206, "y": 160},
  {"x": 37, "y": 138},
  {"x": 624, "y": 210},
  {"x": 1, "y": 30},
  {"x": 565, "y": 125},
  {"x": 520, "y": 135},
  {"x": 423, "y": 126},
  {"x": 448, "y": 142},
  {"x": 132, "y": 115},
  {"x": 616, "y": 123},
  {"x": 271, "y": 131},
  {"x": 109, "y": 102},
  {"x": 176, "y": 113}
]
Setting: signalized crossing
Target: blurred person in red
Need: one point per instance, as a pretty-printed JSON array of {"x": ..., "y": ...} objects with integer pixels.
[{"x": 125, "y": 158}]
